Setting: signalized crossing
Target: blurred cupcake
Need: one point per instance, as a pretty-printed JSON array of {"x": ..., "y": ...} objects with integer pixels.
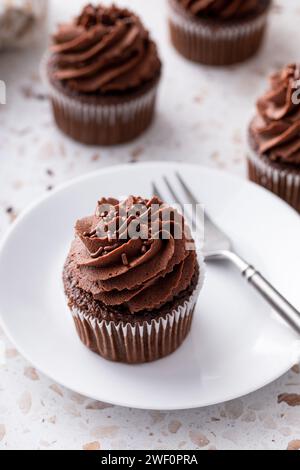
[
  {"x": 132, "y": 280},
  {"x": 103, "y": 72},
  {"x": 218, "y": 32},
  {"x": 274, "y": 159},
  {"x": 21, "y": 22}
]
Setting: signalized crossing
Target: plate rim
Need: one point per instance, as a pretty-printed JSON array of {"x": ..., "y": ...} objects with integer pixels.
[{"x": 111, "y": 169}]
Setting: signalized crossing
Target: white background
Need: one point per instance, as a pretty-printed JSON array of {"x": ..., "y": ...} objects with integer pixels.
[{"x": 202, "y": 117}]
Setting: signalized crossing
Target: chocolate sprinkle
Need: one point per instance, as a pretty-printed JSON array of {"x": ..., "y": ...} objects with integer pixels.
[
  {"x": 90, "y": 234},
  {"x": 125, "y": 259},
  {"x": 98, "y": 253},
  {"x": 109, "y": 249}
]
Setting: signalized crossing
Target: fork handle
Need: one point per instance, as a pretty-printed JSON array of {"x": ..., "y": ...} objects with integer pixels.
[
  {"x": 273, "y": 297},
  {"x": 286, "y": 310}
]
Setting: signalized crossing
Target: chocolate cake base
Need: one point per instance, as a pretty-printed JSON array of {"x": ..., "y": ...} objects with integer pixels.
[
  {"x": 279, "y": 178},
  {"x": 213, "y": 42},
  {"x": 101, "y": 119},
  {"x": 119, "y": 336}
]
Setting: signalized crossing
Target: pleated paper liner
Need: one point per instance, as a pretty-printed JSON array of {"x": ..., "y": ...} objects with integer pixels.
[
  {"x": 145, "y": 341},
  {"x": 96, "y": 123},
  {"x": 207, "y": 44},
  {"x": 282, "y": 180}
]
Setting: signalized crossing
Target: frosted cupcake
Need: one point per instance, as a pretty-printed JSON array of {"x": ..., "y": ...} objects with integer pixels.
[
  {"x": 132, "y": 280},
  {"x": 274, "y": 158},
  {"x": 22, "y": 22},
  {"x": 218, "y": 32},
  {"x": 103, "y": 72}
]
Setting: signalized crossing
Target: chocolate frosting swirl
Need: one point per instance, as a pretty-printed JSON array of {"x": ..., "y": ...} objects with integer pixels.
[
  {"x": 105, "y": 50},
  {"x": 222, "y": 9},
  {"x": 141, "y": 273},
  {"x": 276, "y": 128}
]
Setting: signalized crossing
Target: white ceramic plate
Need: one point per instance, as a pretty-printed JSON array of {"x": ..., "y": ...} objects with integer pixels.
[{"x": 237, "y": 344}]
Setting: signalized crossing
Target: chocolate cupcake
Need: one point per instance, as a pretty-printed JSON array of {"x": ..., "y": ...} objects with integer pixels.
[
  {"x": 132, "y": 279},
  {"x": 218, "y": 32},
  {"x": 274, "y": 157},
  {"x": 103, "y": 72},
  {"x": 22, "y": 22}
]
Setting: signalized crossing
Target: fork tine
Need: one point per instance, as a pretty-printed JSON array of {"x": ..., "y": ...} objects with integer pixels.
[
  {"x": 214, "y": 238},
  {"x": 156, "y": 191},
  {"x": 210, "y": 225},
  {"x": 173, "y": 194},
  {"x": 194, "y": 201},
  {"x": 187, "y": 190},
  {"x": 176, "y": 199}
]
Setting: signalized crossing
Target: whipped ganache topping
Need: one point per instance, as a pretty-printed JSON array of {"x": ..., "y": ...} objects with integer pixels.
[
  {"x": 137, "y": 253},
  {"x": 222, "y": 9},
  {"x": 276, "y": 128},
  {"x": 105, "y": 50}
]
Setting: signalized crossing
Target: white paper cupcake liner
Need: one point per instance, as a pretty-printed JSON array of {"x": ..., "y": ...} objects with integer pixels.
[
  {"x": 285, "y": 182},
  {"x": 100, "y": 124},
  {"x": 144, "y": 341},
  {"x": 222, "y": 45}
]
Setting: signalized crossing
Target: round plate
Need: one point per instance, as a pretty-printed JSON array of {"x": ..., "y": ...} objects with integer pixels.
[{"x": 237, "y": 344}]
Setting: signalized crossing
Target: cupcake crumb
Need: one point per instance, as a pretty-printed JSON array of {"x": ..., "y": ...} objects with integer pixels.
[
  {"x": 92, "y": 446},
  {"x": 291, "y": 399}
]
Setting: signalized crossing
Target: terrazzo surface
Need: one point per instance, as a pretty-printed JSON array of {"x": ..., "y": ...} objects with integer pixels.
[{"x": 202, "y": 117}]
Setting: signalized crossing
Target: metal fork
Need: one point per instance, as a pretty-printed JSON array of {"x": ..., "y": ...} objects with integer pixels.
[{"x": 218, "y": 247}]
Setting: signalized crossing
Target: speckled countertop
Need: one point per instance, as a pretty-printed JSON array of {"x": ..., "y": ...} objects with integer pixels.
[{"x": 202, "y": 117}]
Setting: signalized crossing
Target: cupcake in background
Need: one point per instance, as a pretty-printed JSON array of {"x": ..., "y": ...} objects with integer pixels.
[
  {"x": 21, "y": 22},
  {"x": 218, "y": 32},
  {"x": 103, "y": 72},
  {"x": 274, "y": 158},
  {"x": 132, "y": 280}
]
